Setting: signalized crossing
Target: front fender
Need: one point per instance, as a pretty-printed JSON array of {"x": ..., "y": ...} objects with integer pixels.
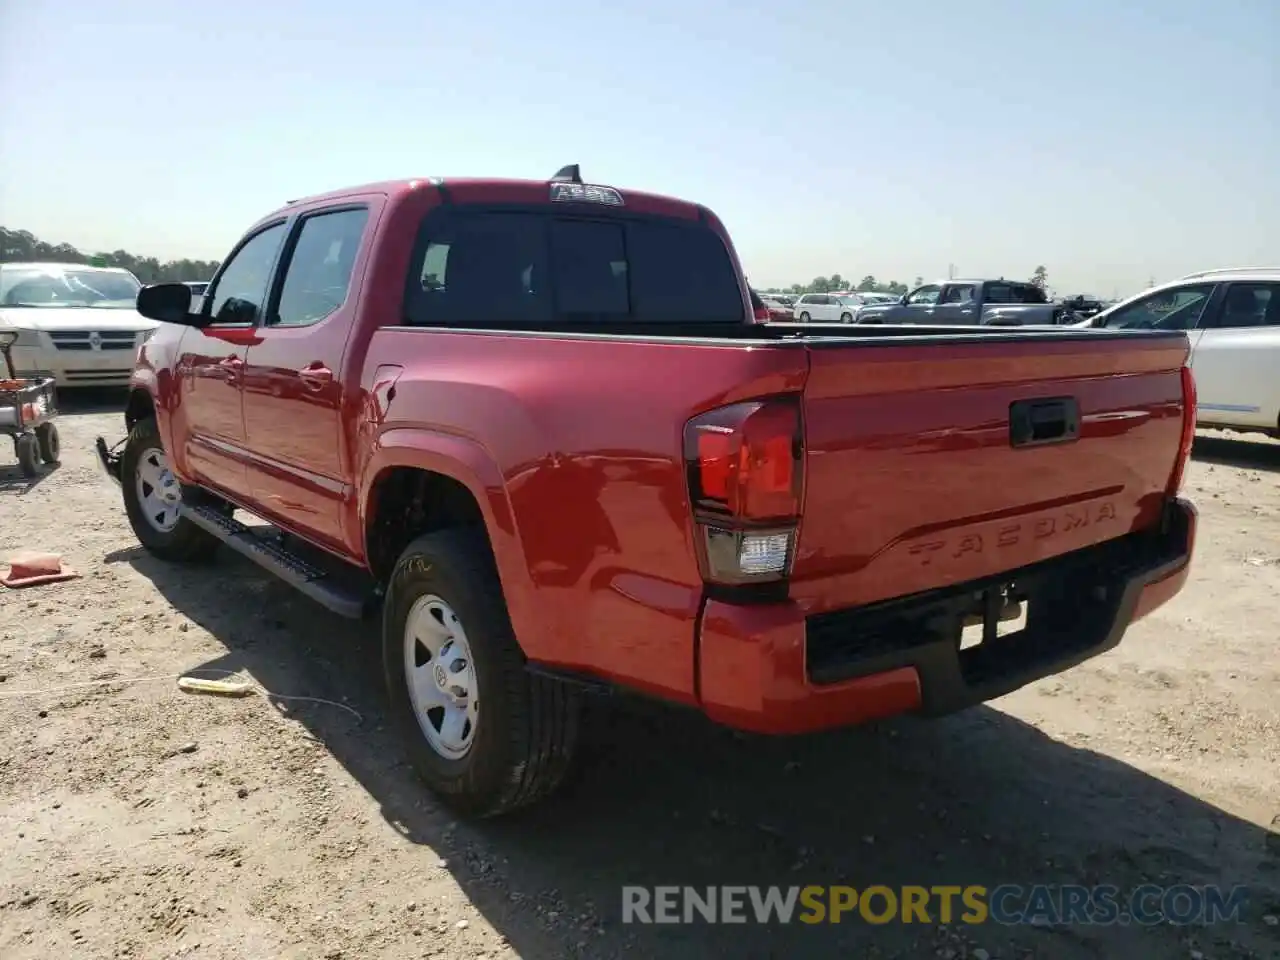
[
  {"x": 153, "y": 377},
  {"x": 470, "y": 464}
]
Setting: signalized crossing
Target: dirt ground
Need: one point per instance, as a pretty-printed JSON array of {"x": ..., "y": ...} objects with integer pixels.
[{"x": 139, "y": 821}]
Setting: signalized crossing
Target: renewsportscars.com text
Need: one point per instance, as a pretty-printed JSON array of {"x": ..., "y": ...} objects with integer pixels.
[{"x": 1038, "y": 904}]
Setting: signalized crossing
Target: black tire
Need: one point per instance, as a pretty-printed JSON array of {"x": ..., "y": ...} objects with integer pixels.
[
  {"x": 846, "y": 318},
  {"x": 804, "y": 317},
  {"x": 48, "y": 441},
  {"x": 185, "y": 542},
  {"x": 527, "y": 727},
  {"x": 28, "y": 455}
]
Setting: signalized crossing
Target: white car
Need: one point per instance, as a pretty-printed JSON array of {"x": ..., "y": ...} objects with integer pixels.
[
  {"x": 827, "y": 308},
  {"x": 75, "y": 323},
  {"x": 1232, "y": 317}
]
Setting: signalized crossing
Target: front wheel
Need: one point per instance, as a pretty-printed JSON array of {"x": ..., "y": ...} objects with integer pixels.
[
  {"x": 28, "y": 454},
  {"x": 804, "y": 318},
  {"x": 846, "y": 318},
  {"x": 485, "y": 734},
  {"x": 152, "y": 495}
]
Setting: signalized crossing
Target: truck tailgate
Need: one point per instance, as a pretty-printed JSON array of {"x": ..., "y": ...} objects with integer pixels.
[{"x": 913, "y": 480}]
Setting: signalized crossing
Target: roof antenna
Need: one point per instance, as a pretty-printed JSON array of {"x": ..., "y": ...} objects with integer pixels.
[{"x": 569, "y": 174}]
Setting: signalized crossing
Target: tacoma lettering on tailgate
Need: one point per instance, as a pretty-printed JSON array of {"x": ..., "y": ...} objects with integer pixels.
[{"x": 1010, "y": 534}]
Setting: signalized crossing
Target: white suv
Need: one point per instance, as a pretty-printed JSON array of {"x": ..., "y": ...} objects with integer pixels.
[
  {"x": 1232, "y": 317},
  {"x": 827, "y": 308}
]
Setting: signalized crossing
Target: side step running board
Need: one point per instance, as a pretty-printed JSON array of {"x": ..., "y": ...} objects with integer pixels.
[{"x": 296, "y": 572}]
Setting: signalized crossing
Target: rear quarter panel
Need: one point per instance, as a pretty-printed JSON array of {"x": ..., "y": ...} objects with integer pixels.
[{"x": 574, "y": 448}]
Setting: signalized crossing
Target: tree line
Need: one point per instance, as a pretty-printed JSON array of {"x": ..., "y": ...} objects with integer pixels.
[
  {"x": 869, "y": 284},
  {"x": 836, "y": 283},
  {"x": 19, "y": 246}
]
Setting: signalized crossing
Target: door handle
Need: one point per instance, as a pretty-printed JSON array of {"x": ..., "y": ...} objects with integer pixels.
[
  {"x": 230, "y": 367},
  {"x": 1042, "y": 421},
  {"x": 315, "y": 375}
]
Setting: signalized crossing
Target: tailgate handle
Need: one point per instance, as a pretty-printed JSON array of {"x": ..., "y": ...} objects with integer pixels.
[{"x": 1033, "y": 423}]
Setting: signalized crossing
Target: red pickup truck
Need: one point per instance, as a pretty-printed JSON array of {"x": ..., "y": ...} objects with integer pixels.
[{"x": 535, "y": 427}]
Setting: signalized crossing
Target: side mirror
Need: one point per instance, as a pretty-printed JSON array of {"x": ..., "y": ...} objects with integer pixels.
[
  {"x": 168, "y": 303},
  {"x": 902, "y": 300}
]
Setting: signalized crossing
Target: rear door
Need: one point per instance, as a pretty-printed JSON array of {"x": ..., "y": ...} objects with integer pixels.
[
  {"x": 1237, "y": 359},
  {"x": 957, "y": 304}
]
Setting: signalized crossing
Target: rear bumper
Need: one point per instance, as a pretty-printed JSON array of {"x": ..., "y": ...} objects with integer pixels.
[{"x": 770, "y": 669}]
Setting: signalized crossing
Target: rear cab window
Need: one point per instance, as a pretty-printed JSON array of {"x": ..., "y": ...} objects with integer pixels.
[
  {"x": 535, "y": 268},
  {"x": 1003, "y": 291}
]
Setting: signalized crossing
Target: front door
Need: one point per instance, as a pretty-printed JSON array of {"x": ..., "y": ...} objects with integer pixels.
[
  {"x": 211, "y": 363},
  {"x": 1236, "y": 359},
  {"x": 919, "y": 305},
  {"x": 299, "y": 465}
]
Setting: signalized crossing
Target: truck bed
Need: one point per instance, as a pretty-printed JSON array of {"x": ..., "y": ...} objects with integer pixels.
[{"x": 907, "y": 446}]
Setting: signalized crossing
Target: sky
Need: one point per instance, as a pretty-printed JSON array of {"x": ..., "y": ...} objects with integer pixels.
[{"x": 1113, "y": 142}]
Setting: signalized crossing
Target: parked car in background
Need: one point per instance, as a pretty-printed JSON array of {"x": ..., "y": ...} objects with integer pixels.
[
  {"x": 779, "y": 307},
  {"x": 869, "y": 297},
  {"x": 1084, "y": 305},
  {"x": 532, "y": 426},
  {"x": 75, "y": 323},
  {"x": 970, "y": 302},
  {"x": 826, "y": 308},
  {"x": 1232, "y": 318}
]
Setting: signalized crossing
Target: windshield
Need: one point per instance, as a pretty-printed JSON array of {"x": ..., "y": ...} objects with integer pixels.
[
  {"x": 66, "y": 287},
  {"x": 1177, "y": 309}
]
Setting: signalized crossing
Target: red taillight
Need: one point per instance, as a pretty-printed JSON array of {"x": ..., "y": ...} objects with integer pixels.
[
  {"x": 745, "y": 460},
  {"x": 1188, "y": 431},
  {"x": 745, "y": 464},
  {"x": 762, "y": 312}
]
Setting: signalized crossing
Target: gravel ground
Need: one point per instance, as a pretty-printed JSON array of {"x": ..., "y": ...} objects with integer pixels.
[{"x": 138, "y": 821}]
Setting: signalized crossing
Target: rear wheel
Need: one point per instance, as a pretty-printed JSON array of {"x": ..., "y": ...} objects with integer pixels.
[
  {"x": 486, "y": 735},
  {"x": 152, "y": 495},
  {"x": 48, "y": 441}
]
